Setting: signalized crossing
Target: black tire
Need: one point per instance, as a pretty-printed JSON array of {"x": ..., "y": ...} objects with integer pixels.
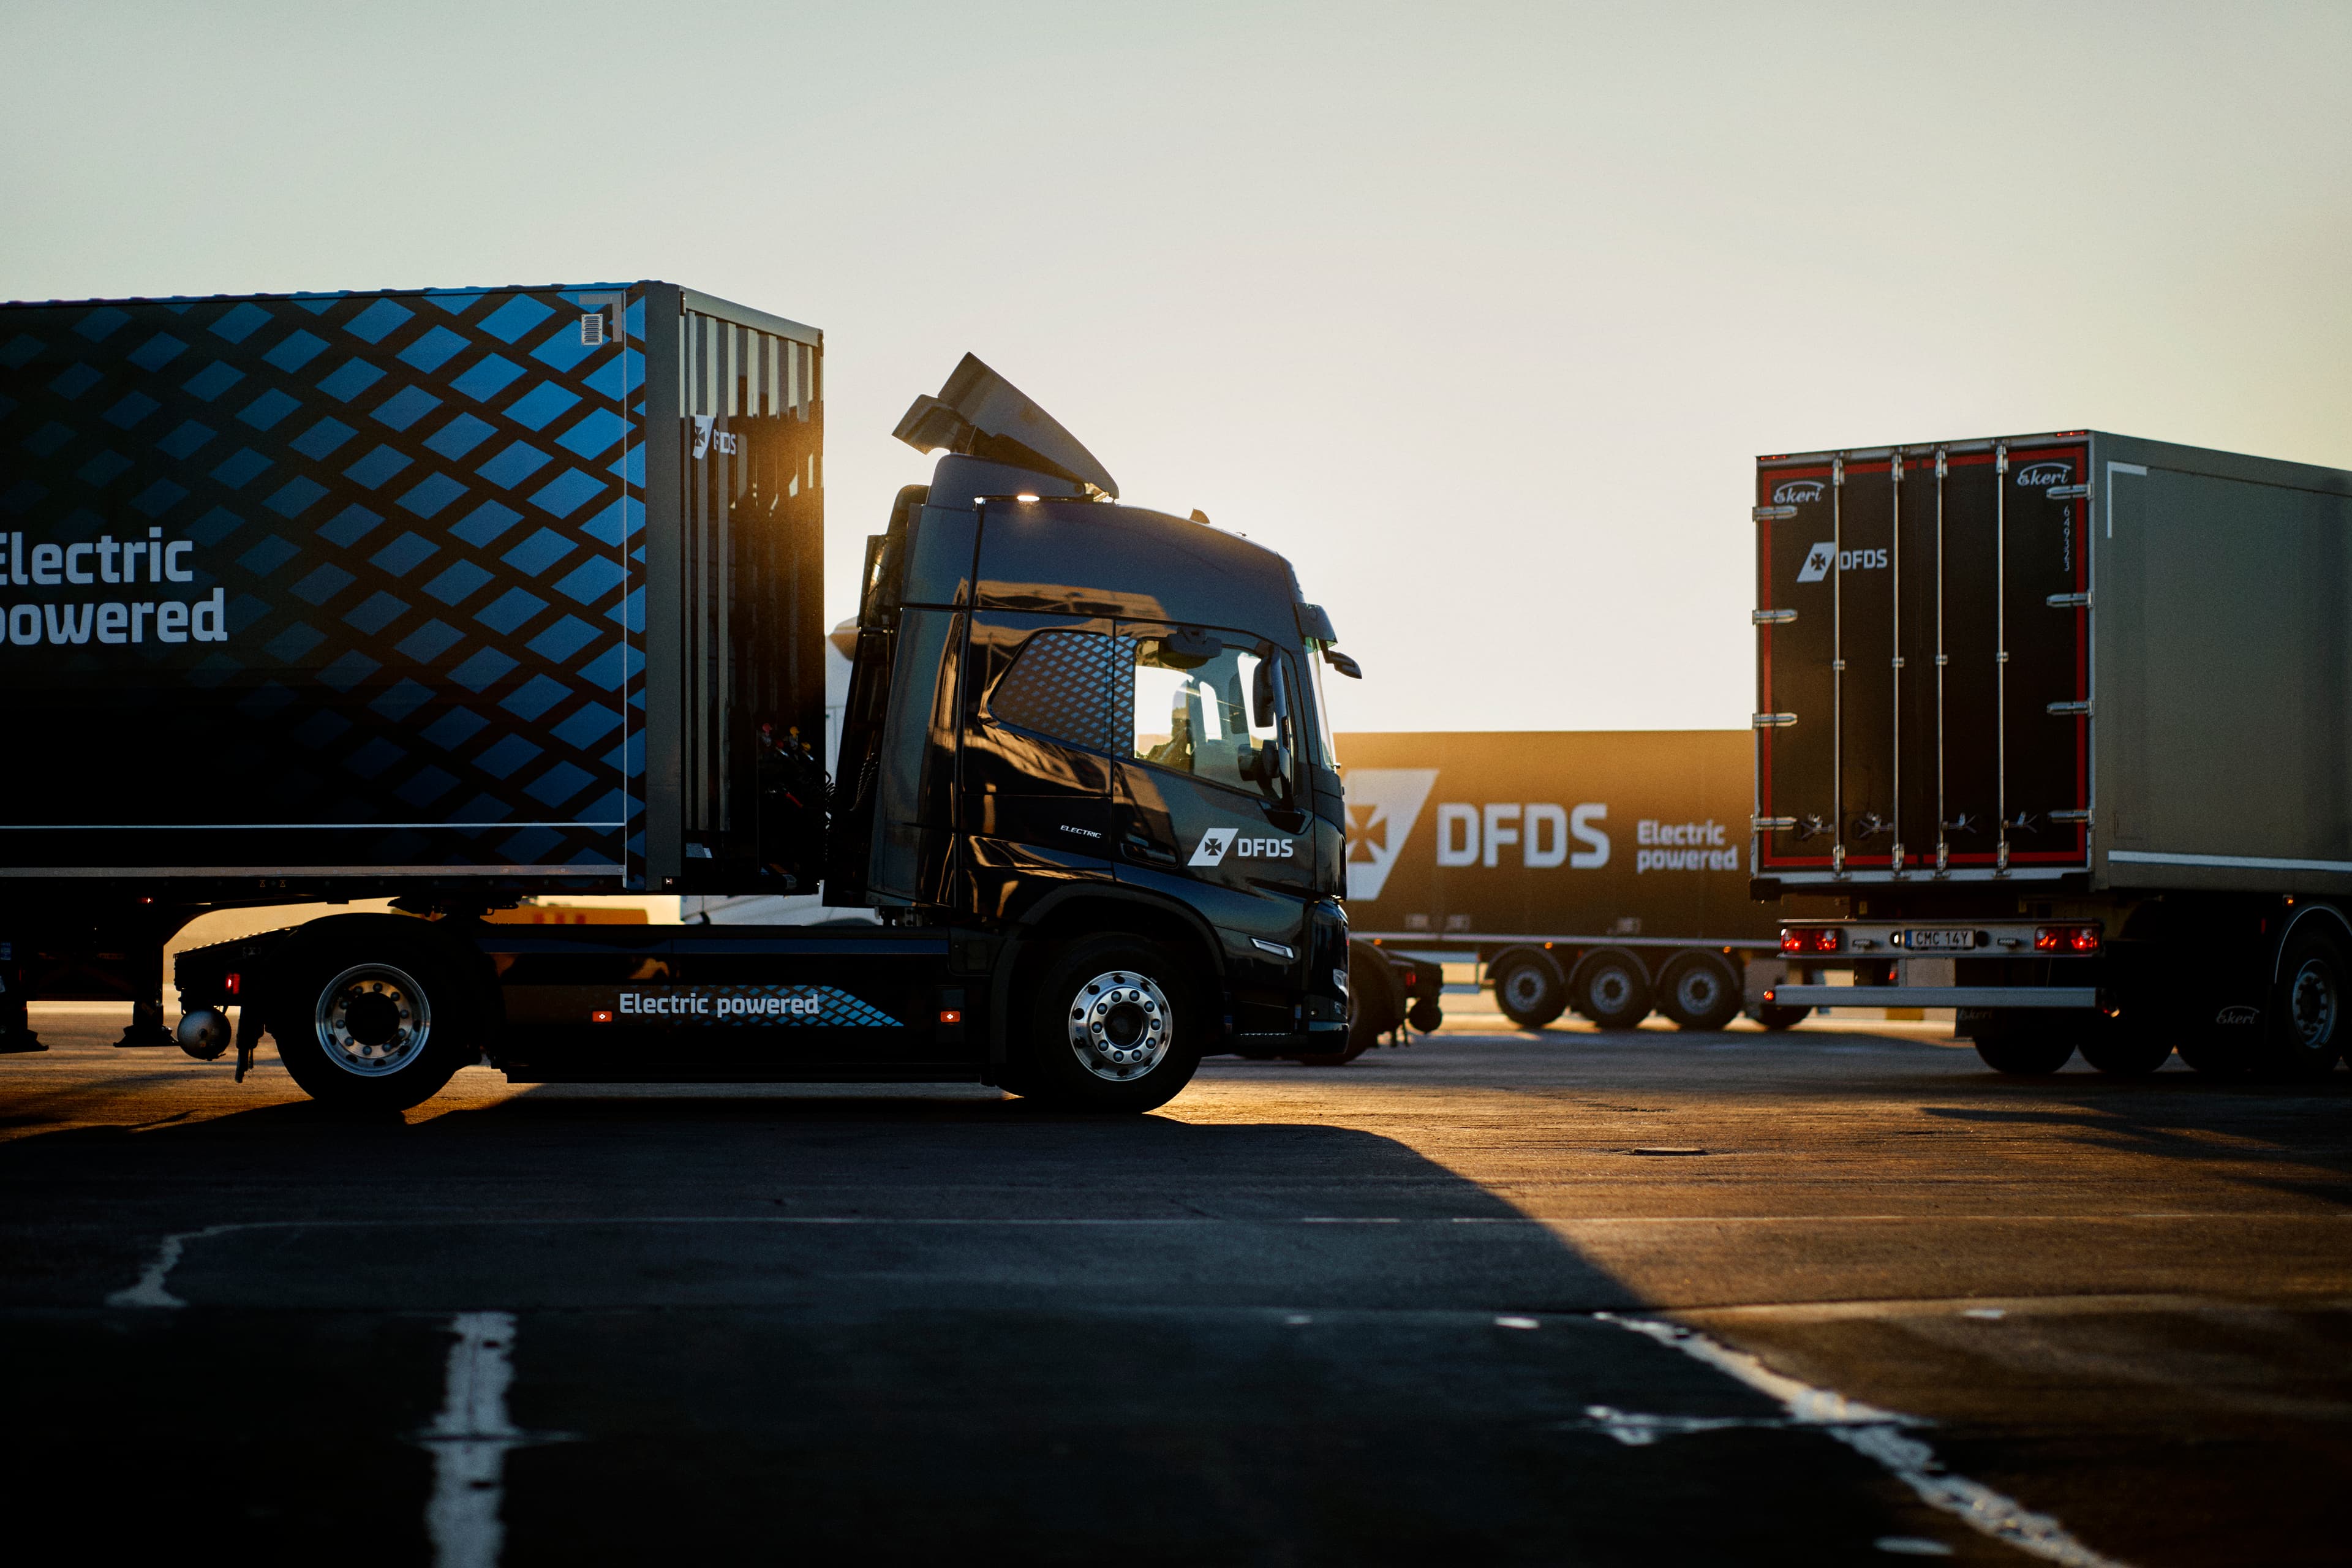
[
  {"x": 2030, "y": 1048},
  {"x": 2212, "y": 1051},
  {"x": 1529, "y": 987},
  {"x": 372, "y": 1017},
  {"x": 1774, "y": 1016},
  {"x": 1145, "y": 1002},
  {"x": 2122, "y": 1049},
  {"x": 1611, "y": 988},
  {"x": 1375, "y": 1005},
  {"x": 1700, "y": 991},
  {"x": 2304, "y": 1032}
]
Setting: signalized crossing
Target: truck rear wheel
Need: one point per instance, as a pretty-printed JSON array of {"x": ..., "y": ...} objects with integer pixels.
[
  {"x": 1113, "y": 1027},
  {"x": 1700, "y": 991},
  {"x": 1611, "y": 988},
  {"x": 1529, "y": 987},
  {"x": 2304, "y": 1033},
  {"x": 2025, "y": 1049},
  {"x": 373, "y": 1019}
]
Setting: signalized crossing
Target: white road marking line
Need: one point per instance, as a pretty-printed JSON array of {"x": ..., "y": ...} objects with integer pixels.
[
  {"x": 469, "y": 1440},
  {"x": 149, "y": 1292},
  {"x": 1637, "y": 1431},
  {"x": 1877, "y": 1435}
]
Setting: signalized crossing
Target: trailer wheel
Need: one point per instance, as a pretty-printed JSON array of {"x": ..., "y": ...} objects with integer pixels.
[
  {"x": 373, "y": 1017},
  {"x": 1701, "y": 992},
  {"x": 2305, "y": 1029},
  {"x": 2122, "y": 1050},
  {"x": 2025, "y": 1049},
  {"x": 1611, "y": 988},
  {"x": 1529, "y": 987},
  {"x": 1113, "y": 1027},
  {"x": 1776, "y": 1017}
]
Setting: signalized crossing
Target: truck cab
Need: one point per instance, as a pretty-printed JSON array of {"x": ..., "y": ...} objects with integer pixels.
[{"x": 1072, "y": 715}]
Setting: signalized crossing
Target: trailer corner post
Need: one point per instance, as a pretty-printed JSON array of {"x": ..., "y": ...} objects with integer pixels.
[
  {"x": 665, "y": 789},
  {"x": 1837, "y": 665}
]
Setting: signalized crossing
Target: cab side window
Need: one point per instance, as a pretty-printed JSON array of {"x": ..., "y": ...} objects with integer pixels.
[
  {"x": 1207, "y": 714},
  {"x": 1071, "y": 686}
]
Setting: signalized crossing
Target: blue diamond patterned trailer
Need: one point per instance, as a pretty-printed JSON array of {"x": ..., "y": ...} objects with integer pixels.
[{"x": 398, "y": 590}]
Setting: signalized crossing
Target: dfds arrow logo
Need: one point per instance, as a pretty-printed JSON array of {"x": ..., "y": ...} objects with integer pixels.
[
  {"x": 1383, "y": 805},
  {"x": 1214, "y": 843},
  {"x": 1817, "y": 562}
]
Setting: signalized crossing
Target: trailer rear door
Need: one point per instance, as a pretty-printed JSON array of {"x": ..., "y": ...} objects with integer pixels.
[{"x": 1923, "y": 661}]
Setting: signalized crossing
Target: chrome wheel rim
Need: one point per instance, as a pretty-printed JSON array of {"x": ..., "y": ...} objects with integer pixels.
[
  {"x": 2312, "y": 1005},
  {"x": 372, "y": 1020},
  {"x": 1120, "y": 1025}
]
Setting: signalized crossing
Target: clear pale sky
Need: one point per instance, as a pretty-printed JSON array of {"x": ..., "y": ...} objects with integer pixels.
[{"x": 1477, "y": 312}]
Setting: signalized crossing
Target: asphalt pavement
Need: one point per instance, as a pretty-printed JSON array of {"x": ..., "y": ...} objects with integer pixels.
[{"x": 1834, "y": 1296}]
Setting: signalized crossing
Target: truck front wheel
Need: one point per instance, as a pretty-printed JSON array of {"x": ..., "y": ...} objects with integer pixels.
[
  {"x": 374, "y": 1021},
  {"x": 1114, "y": 1025}
]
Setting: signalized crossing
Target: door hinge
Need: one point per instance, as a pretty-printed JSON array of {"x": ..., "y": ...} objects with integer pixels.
[
  {"x": 2068, "y": 600},
  {"x": 1771, "y": 618},
  {"x": 1773, "y": 721},
  {"x": 2069, "y": 709},
  {"x": 2067, "y": 492},
  {"x": 1772, "y": 514}
]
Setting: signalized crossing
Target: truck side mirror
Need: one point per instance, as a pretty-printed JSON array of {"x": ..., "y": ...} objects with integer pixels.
[{"x": 1269, "y": 766}]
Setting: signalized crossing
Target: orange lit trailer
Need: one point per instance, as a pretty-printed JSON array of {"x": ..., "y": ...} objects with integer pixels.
[{"x": 1599, "y": 870}]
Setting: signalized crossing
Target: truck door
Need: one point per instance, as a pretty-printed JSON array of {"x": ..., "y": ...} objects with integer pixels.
[
  {"x": 1924, "y": 660},
  {"x": 1045, "y": 714},
  {"x": 1203, "y": 805}
]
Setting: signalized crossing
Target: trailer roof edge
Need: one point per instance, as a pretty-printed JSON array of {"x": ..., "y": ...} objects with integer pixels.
[{"x": 745, "y": 316}]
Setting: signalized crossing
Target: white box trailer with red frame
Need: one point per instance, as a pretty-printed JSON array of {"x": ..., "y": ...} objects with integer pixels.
[{"x": 2053, "y": 730}]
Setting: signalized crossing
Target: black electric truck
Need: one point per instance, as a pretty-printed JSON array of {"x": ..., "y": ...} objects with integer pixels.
[
  {"x": 2056, "y": 731},
  {"x": 460, "y": 596}
]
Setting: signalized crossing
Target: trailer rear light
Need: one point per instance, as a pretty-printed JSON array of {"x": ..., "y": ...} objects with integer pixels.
[
  {"x": 1822, "y": 938},
  {"x": 600, "y": 1016},
  {"x": 951, "y": 1016},
  {"x": 2066, "y": 939},
  {"x": 235, "y": 983},
  {"x": 1792, "y": 941}
]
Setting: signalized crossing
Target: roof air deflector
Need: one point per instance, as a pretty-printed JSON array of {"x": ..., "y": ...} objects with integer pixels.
[{"x": 980, "y": 413}]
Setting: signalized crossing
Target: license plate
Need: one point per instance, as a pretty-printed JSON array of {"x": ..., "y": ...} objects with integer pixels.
[{"x": 1938, "y": 940}]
